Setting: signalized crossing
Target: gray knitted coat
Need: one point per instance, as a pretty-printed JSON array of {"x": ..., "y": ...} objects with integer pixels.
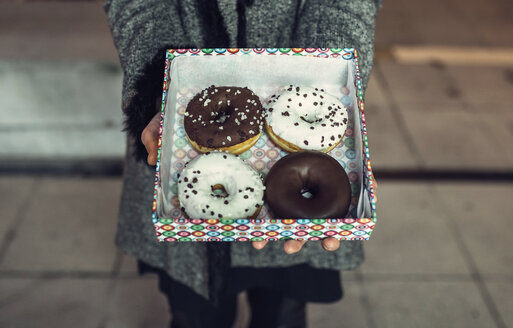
[{"x": 141, "y": 30}]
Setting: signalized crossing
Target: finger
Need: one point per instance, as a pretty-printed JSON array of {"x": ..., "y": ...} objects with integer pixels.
[
  {"x": 375, "y": 191},
  {"x": 330, "y": 244},
  {"x": 259, "y": 244},
  {"x": 150, "y": 138},
  {"x": 293, "y": 246}
]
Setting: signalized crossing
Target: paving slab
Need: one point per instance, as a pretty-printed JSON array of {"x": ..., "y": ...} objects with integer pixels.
[
  {"x": 55, "y": 29},
  {"x": 500, "y": 129},
  {"x": 63, "y": 142},
  {"x": 41, "y": 92},
  {"x": 387, "y": 145},
  {"x": 14, "y": 192},
  {"x": 482, "y": 214},
  {"x": 458, "y": 140},
  {"x": 427, "y": 304},
  {"x": 137, "y": 303},
  {"x": 420, "y": 84},
  {"x": 49, "y": 303},
  {"x": 454, "y": 22},
  {"x": 488, "y": 89},
  {"x": 348, "y": 312},
  {"x": 390, "y": 29},
  {"x": 69, "y": 225},
  {"x": 128, "y": 264},
  {"x": 501, "y": 293},
  {"x": 498, "y": 33},
  {"x": 60, "y": 109},
  {"x": 444, "y": 29},
  {"x": 489, "y": 21},
  {"x": 411, "y": 235}
]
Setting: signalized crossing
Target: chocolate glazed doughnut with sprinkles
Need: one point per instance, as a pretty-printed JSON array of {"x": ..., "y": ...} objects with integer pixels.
[
  {"x": 224, "y": 118},
  {"x": 308, "y": 185},
  {"x": 218, "y": 185}
]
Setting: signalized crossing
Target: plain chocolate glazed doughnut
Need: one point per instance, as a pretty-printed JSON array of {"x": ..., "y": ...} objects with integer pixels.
[{"x": 308, "y": 185}]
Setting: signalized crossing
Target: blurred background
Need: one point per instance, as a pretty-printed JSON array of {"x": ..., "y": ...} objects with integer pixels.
[{"x": 440, "y": 125}]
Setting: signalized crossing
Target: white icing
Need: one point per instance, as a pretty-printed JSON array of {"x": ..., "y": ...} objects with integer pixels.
[
  {"x": 238, "y": 179},
  {"x": 299, "y": 119}
]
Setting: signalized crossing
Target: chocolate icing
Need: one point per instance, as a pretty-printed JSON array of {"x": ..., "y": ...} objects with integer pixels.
[
  {"x": 220, "y": 117},
  {"x": 308, "y": 171}
]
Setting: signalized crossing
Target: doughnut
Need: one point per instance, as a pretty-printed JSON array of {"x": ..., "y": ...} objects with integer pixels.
[
  {"x": 218, "y": 185},
  {"x": 308, "y": 185},
  {"x": 224, "y": 118},
  {"x": 305, "y": 118}
]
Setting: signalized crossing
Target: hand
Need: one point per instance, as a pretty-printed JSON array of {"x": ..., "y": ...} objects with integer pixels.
[
  {"x": 293, "y": 246},
  {"x": 150, "y": 139}
]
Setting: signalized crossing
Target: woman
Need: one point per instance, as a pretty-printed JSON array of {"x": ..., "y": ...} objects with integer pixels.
[{"x": 201, "y": 279}]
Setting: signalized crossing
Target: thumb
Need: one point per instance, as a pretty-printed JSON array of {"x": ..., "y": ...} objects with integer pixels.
[{"x": 150, "y": 139}]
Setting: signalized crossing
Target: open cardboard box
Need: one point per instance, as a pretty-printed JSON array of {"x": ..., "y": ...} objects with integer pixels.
[{"x": 264, "y": 71}]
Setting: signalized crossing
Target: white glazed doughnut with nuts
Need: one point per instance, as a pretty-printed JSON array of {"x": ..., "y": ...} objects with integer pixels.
[
  {"x": 306, "y": 118},
  {"x": 218, "y": 185}
]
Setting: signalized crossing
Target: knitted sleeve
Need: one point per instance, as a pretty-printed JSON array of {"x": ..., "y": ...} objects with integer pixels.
[
  {"x": 350, "y": 24},
  {"x": 142, "y": 30}
]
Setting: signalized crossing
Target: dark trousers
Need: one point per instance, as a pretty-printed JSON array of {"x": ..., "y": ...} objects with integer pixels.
[
  {"x": 269, "y": 308},
  {"x": 277, "y": 296}
]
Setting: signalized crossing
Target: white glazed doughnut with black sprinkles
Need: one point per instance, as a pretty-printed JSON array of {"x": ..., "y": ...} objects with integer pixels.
[
  {"x": 306, "y": 118},
  {"x": 219, "y": 185}
]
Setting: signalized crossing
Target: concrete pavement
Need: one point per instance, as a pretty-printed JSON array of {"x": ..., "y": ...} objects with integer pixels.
[{"x": 443, "y": 260}]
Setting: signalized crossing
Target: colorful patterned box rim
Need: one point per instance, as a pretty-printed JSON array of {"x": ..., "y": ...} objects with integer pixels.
[{"x": 170, "y": 228}]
